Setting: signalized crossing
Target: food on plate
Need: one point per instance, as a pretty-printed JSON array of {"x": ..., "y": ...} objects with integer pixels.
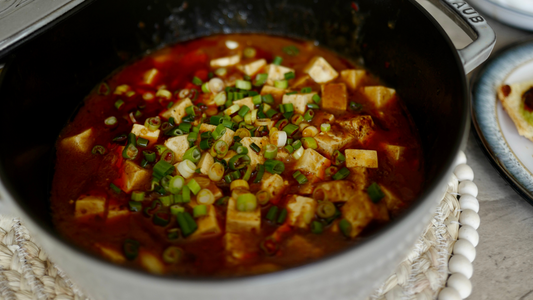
[
  {"x": 517, "y": 100},
  {"x": 234, "y": 155}
]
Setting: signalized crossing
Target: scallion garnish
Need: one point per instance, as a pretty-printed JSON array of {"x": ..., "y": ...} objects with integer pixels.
[
  {"x": 274, "y": 166},
  {"x": 271, "y": 151},
  {"x": 243, "y": 84},
  {"x": 197, "y": 81},
  {"x": 282, "y": 216},
  {"x": 115, "y": 188},
  {"x": 162, "y": 169},
  {"x": 345, "y": 227},
  {"x": 281, "y": 84},
  {"x": 355, "y": 106},
  {"x": 291, "y": 50},
  {"x": 341, "y": 174},
  {"x": 277, "y": 61},
  {"x": 289, "y": 75},
  {"x": 375, "y": 193},
  {"x": 119, "y": 103},
  {"x": 111, "y": 121},
  {"x": 199, "y": 210},
  {"x": 254, "y": 147},
  {"x": 131, "y": 249},
  {"x": 317, "y": 227},
  {"x": 246, "y": 202},
  {"x": 272, "y": 213},
  {"x": 309, "y": 114},
  {"x": 98, "y": 149}
]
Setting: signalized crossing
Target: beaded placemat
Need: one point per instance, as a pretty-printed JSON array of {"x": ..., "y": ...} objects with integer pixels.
[{"x": 438, "y": 267}]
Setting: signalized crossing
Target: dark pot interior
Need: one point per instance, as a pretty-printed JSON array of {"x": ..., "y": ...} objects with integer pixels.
[{"x": 47, "y": 77}]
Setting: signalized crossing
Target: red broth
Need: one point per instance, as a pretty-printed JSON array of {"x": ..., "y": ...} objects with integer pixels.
[{"x": 119, "y": 205}]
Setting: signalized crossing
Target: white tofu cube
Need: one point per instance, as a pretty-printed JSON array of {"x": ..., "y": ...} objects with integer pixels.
[
  {"x": 82, "y": 142},
  {"x": 359, "y": 211},
  {"x": 253, "y": 67},
  {"x": 179, "y": 145},
  {"x": 225, "y": 61},
  {"x": 302, "y": 81},
  {"x": 276, "y": 93},
  {"x": 145, "y": 133},
  {"x": 313, "y": 163},
  {"x": 151, "y": 262},
  {"x": 242, "y": 221},
  {"x": 116, "y": 212},
  {"x": 274, "y": 185},
  {"x": 207, "y": 225},
  {"x": 353, "y": 78},
  {"x": 335, "y": 191},
  {"x": 361, "y": 158},
  {"x": 328, "y": 142},
  {"x": 255, "y": 158},
  {"x": 300, "y": 211},
  {"x": 90, "y": 205},
  {"x": 392, "y": 202},
  {"x": 361, "y": 127},
  {"x": 276, "y": 72},
  {"x": 239, "y": 247},
  {"x": 150, "y": 76},
  {"x": 299, "y": 101},
  {"x": 334, "y": 96},
  {"x": 177, "y": 110},
  {"x": 111, "y": 253},
  {"x": 320, "y": 70},
  {"x": 359, "y": 176},
  {"x": 379, "y": 95},
  {"x": 205, "y": 162},
  {"x": 229, "y": 155},
  {"x": 226, "y": 137},
  {"x": 394, "y": 153},
  {"x": 133, "y": 177},
  {"x": 245, "y": 102}
]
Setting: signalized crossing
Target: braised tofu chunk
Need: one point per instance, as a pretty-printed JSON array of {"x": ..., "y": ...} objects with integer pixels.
[
  {"x": 205, "y": 163},
  {"x": 151, "y": 76},
  {"x": 114, "y": 255},
  {"x": 353, "y": 78},
  {"x": 226, "y": 137},
  {"x": 145, "y": 133},
  {"x": 276, "y": 93},
  {"x": 255, "y": 158},
  {"x": 392, "y": 202},
  {"x": 242, "y": 221},
  {"x": 359, "y": 211},
  {"x": 274, "y": 185},
  {"x": 177, "y": 110},
  {"x": 358, "y": 175},
  {"x": 328, "y": 142},
  {"x": 134, "y": 177},
  {"x": 335, "y": 191},
  {"x": 361, "y": 127},
  {"x": 282, "y": 154},
  {"x": 253, "y": 67},
  {"x": 207, "y": 225},
  {"x": 394, "y": 153},
  {"x": 151, "y": 262},
  {"x": 305, "y": 248},
  {"x": 179, "y": 145},
  {"x": 379, "y": 95},
  {"x": 320, "y": 70},
  {"x": 276, "y": 72},
  {"x": 229, "y": 155},
  {"x": 299, "y": 101},
  {"x": 313, "y": 163},
  {"x": 116, "y": 212},
  {"x": 245, "y": 102},
  {"x": 90, "y": 206},
  {"x": 361, "y": 158},
  {"x": 82, "y": 142},
  {"x": 225, "y": 61},
  {"x": 334, "y": 96},
  {"x": 240, "y": 247},
  {"x": 302, "y": 81},
  {"x": 300, "y": 211}
]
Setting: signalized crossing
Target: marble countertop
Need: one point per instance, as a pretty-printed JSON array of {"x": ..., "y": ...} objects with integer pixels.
[{"x": 503, "y": 268}]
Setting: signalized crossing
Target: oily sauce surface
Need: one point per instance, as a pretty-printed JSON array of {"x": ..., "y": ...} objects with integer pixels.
[{"x": 79, "y": 173}]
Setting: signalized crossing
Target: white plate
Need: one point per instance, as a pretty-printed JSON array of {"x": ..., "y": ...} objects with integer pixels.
[
  {"x": 510, "y": 152},
  {"x": 517, "y": 13}
]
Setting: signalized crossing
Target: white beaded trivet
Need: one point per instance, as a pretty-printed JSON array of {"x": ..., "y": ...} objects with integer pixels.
[{"x": 428, "y": 272}]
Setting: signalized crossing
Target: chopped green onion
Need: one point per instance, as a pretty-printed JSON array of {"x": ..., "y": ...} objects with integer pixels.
[
  {"x": 205, "y": 88},
  {"x": 243, "y": 84},
  {"x": 194, "y": 186},
  {"x": 262, "y": 197},
  {"x": 193, "y": 154},
  {"x": 131, "y": 249},
  {"x": 260, "y": 172},
  {"x": 243, "y": 111},
  {"x": 206, "y": 197},
  {"x": 142, "y": 142},
  {"x": 268, "y": 99},
  {"x": 220, "y": 99},
  {"x": 174, "y": 131},
  {"x": 345, "y": 227},
  {"x": 306, "y": 90},
  {"x": 162, "y": 169},
  {"x": 277, "y": 61},
  {"x": 313, "y": 106},
  {"x": 249, "y": 52},
  {"x": 272, "y": 213},
  {"x": 325, "y": 127},
  {"x": 291, "y": 93},
  {"x": 119, "y": 103},
  {"x": 238, "y": 162},
  {"x": 137, "y": 196},
  {"x": 309, "y": 142},
  {"x": 189, "y": 110},
  {"x": 289, "y": 75},
  {"x": 375, "y": 193},
  {"x": 115, "y": 188},
  {"x": 186, "y": 223},
  {"x": 301, "y": 179},
  {"x": 185, "y": 127},
  {"x": 192, "y": 137},
  {"x": 98, "y": 149},
  {"x": 297, "y": 119},
  {"x": 246, "y": 202},
  {"x": 153, "y": 123},
  {"x": 104, "y": 89},
  {"x": 240, "y": 149},
  {"x": 111, "y": 121},
  {"x": 281, "y": 84},
  {"x": 291, "y": 50},
  {"x": 254, "y": 147},
  {"x": 186, "y": 194},
  {"x": 160, "y": 149},
  {"x": 175, "y": 209},
  {"x": 289, "y": 149},
  {"x": 222, "y": 201},
  {"x": 161, "y": 219},
  {"x": 338, "y": 158},
  {"x": 331, "y": 170},
  {"x": 326, "y": 209},
  {"x": 355, "y": 106},
  {"x": 176, "y": 184},
  {"x": 316, "y": 98},
  {"x": 298, "y": 153},
  {"x": 199, "y": 210},
  {"x": 290, "y": 129},
  {"x": 206, "y": 144},
  {"x": 197, "y": 81},
  {"x": 173, "y": 254},
  {"x": 282, "y": 216},
  {"x": 341, "y": 174},
  {"x": 228, "y": 124},
  {"x": 170, "y": 104},
  {"x": 188, "y": 119},
  {"x": 135, "y": 206},
  {"x": 219, "y": 131},
  {"x": 260, "y": 79},
  {"x": 317, "y": 227},
  {"x": 297, "y": 144},
  {"x": 219, "y": 149},
  {"x": 271, "y": 112},
  {"x": 274, "y": 166},
  {"x": 138, "y": 114},
  {"x": 130, "y": 152},
  {"x": 309, "y": 114},
  {"x": 271, "y": 151},
  {"x": 178, "y": 198},
  {"x": 166, "y": 200},
  {"x": 256, "y": 99},
  {"x": 221, "y": 72},
  {"x": 248, "y": 173}
]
